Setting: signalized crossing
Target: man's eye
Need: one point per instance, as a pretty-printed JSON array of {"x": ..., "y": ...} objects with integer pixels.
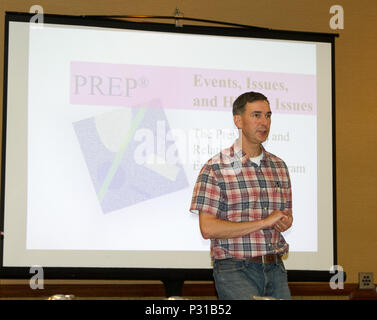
[
  {"x": 256, "y": 115},
  {"x": 268, "y": 116}
]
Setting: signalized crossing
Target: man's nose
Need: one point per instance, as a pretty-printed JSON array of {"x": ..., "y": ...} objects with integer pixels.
[{"x": 264, "y": 121}]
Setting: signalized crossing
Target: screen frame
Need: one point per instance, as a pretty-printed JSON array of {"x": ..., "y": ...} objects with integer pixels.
[{"x": 170, "y": 274}]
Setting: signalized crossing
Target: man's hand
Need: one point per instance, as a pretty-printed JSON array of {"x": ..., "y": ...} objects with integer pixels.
[
  {"x": 285, "y": 222},
  {"x": 273, "y": 218}
]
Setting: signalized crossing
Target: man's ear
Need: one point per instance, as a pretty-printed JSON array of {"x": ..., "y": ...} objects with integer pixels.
[{"x": 237, "y": 121}]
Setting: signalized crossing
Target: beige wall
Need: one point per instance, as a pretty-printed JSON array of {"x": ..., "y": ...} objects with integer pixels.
[{"x": 356, "y": 91}]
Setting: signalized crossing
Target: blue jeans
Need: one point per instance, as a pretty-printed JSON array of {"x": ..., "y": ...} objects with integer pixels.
[{"x": 243, "y": 279}]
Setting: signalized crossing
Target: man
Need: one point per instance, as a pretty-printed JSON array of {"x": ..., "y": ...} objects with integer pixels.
[{"x": 243, "y": 196}]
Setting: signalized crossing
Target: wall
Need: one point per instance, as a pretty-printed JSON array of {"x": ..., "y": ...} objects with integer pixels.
[{"x": 356, "y": 110}]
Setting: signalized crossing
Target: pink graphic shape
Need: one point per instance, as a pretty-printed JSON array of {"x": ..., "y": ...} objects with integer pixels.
[{"x": 107, "y": 84}]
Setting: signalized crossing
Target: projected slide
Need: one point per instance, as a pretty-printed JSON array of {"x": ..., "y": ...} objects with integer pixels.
[
  {"x": 125, "y": 171},
  {"x": 118, "y": 124}
]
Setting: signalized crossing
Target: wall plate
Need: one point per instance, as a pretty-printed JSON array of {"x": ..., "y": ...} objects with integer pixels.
[{"x": 366, "y": 280}]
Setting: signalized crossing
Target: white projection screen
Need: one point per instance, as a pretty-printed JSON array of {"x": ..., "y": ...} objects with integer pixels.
[{"x": 106, "y": 125}]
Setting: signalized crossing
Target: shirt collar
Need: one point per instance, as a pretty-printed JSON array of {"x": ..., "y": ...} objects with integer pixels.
[{"x": 238, "y": 153}]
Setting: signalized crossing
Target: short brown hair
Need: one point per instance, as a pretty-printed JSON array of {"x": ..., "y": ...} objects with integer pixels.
[{"x": 240, "y": 103}]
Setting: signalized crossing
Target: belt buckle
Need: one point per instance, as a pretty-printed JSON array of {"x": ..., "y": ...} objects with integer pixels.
[{"x": 269, "y": 258}]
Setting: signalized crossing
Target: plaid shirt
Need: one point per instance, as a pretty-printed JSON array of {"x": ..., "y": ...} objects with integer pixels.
[{"x": 233, "y": 188}]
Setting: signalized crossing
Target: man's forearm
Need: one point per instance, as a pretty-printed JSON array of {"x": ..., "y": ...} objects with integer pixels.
[{"x": 214, "y": 228}]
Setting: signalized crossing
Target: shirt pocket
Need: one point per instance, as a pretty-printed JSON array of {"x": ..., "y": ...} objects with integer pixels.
[{"x": 276, "y": 194}]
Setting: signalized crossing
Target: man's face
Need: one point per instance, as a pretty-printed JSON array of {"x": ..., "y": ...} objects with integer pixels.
[{"x": 254, "y": 122}]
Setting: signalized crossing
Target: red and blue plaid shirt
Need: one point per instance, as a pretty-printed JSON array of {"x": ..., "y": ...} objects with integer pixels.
[{"x": 231, "y": 187}]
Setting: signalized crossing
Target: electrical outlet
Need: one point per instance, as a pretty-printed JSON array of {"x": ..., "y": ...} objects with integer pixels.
[{"x": 366, "y": 280}]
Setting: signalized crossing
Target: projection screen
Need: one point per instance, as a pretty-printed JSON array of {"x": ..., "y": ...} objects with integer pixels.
[{"x": 106, "y": 126}]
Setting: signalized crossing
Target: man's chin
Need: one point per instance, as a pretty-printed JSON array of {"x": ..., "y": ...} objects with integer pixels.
[{"x": 263, "y": 137}]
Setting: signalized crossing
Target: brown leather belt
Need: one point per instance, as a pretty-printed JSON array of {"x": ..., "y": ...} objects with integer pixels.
[{"x": 266, "y": 259}]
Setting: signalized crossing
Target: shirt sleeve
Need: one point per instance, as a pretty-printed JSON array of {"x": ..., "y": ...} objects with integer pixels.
[
  {"x": 207, "y": 193},
  {"x": 288, "y": 191}
]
